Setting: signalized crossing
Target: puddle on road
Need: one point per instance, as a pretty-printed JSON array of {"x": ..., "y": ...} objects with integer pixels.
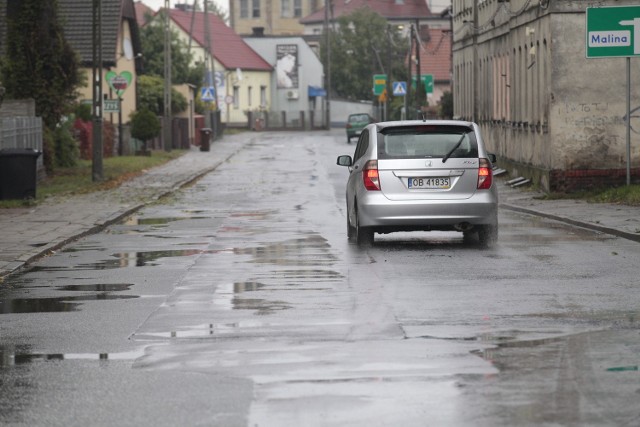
[
  {"x": 148, "y": 258},
  {"x": 121, "y": 260},
  {"x": 138, "y": 220},
  {"x": 206, "y": 330},
  {"x": 53, "y": 305},
  {"x": 22, "y": 355},
  {"x": 260, "y": 306},
  {"x": 104, "y": 287},
  {"x": 313, "y": 250}
]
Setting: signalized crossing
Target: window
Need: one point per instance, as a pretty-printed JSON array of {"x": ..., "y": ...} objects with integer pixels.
[
  {"x": 244, "y": 9},
  {"x": 363, "y": 145},
  {"x": 236, "y": 97},
  {"x": 297, "y": 8},
  {"x": 255, "y": 8},
  {"x": 420, "y": 142},
  {"x": 286, "y": 9},
  {"x": 263, "y": 96}
]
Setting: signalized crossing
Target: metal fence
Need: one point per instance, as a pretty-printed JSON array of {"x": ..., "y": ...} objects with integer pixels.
[{"x": 22, "y": 132}]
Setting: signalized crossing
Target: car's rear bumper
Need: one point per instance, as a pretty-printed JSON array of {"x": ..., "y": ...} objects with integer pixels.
[{"x": 375, "y": 210}]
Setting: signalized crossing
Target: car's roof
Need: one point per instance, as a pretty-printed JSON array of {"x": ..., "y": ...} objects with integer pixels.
[{"x": 397, "y": 123}]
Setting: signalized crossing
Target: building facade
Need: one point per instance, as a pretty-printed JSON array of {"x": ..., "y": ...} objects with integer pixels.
[
  {"x": 297, "y": 80},
  {"x": 271, "y": 17},
  {"x": 550, "y": 113}
]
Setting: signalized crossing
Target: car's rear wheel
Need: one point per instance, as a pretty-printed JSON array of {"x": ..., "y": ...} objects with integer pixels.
[
  {"x": 364, "y": 235},
  {"x": 488, "y": 235}
]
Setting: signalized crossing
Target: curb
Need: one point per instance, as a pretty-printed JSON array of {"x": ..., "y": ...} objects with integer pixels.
[{"x": 587, "y": 225}]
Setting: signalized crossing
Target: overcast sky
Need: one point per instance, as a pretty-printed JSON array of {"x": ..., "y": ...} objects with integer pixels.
[{"x": 157, "y": 4}]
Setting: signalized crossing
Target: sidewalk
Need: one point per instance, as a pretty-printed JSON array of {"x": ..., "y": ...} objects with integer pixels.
[
  {"x": 30, "y": 233},
  {"x": 27, "y": 234}
]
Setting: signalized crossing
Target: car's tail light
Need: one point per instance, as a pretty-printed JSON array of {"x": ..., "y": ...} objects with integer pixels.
[
  {"x": 485, "y": 175},
  {"x": 348, "y": 125},
  {"x": 370, "y": 176}
]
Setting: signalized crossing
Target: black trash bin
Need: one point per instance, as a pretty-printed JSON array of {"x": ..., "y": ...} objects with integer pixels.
[
  {"x": 18, "y": 172},
  {"x": 205, "y": 139}
]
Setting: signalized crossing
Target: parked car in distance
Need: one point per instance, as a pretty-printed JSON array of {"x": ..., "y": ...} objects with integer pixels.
[
  {"x": 355, "y": 124},
  {"x": 421, "y": 175}
]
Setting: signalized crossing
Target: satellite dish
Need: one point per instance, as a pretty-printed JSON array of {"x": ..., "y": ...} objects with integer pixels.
[{"x": 239, "y": 74}]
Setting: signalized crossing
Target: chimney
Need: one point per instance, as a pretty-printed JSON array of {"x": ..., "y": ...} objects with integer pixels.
[{"x": 183, "y": 7}]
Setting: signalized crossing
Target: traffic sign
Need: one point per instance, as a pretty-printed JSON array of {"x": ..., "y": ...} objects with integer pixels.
[
  {"x": 613, "y": 31},
  {"x": 379, "y": 83},
  {"x": 110, "y": 106},
  {"x": 427, "y": 82},
  {"x": 383, "y": 96},
  {"x": 399, "y": 88},
  {"x": 208, "y": 93}
]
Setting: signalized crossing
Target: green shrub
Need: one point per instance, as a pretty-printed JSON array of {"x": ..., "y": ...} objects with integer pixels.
[
  {"x": 67, "y": 151},
  {"x": 144, "y": 126}
]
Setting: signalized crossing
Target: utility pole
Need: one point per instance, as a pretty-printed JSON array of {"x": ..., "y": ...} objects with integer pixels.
[
  {"x": 96, "y": 163},
  {"x": 327, "y": 4},
  {"x": 407, "y": 98},
  {"x": 212, "y": 77},
  {"x": 419, "y": 85},
  {"x": 167, "y": 79},
  {"x": 476, "y": 72}
]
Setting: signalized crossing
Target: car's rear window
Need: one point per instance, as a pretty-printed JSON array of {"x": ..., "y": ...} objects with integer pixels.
[
  {"x": 406, "y": 142},
  {"x": 359, "y": 118}
]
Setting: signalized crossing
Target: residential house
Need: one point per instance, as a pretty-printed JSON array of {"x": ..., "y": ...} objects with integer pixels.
[
  {"x": 121, "y": 51},
  {"x": 298, "y": 96},
  {"x": 242, "y": 78},
  {"x": 434, "y": 60},
  {"x": 551, "y": 114},
  {"x": 143, "y": 13},
  {"x": 270, "y": 17}
]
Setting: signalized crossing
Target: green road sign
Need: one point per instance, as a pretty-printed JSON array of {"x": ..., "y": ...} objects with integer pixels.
[
  {"x": 427, "y": 82},
  {"x": 613, "y": 31},
  {"x": 379, "y": 83}
]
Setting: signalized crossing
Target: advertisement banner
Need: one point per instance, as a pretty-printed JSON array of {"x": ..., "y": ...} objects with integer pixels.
[{"x": 287, "y": 66}]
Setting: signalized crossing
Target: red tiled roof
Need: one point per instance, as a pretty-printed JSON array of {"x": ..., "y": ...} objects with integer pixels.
[
  {"x": 142, "y": 10},
  {"x": 389, "y": 9},
  {"x": 435, "y": 53},
  {"x": 229, "y": 49}
]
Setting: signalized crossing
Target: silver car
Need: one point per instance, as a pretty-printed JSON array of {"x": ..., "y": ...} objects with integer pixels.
[{"x": 421, "y": 175}]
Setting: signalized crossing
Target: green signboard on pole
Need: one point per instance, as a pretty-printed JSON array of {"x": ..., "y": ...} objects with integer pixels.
[
  {"x": 427, "y": 82},
  {"x": 379, "y": 83},
  {"x": 613, "y": 31}
]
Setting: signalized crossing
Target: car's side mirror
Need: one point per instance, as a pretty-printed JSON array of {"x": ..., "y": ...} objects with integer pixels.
[{"x": 344, "y": 160}]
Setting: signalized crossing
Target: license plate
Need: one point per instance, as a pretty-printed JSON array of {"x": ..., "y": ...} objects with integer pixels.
[{"x": 441, "y": 183}]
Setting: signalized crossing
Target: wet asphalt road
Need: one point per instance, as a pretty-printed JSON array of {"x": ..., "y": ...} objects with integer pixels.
[{"x": 239, "y": 302}]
